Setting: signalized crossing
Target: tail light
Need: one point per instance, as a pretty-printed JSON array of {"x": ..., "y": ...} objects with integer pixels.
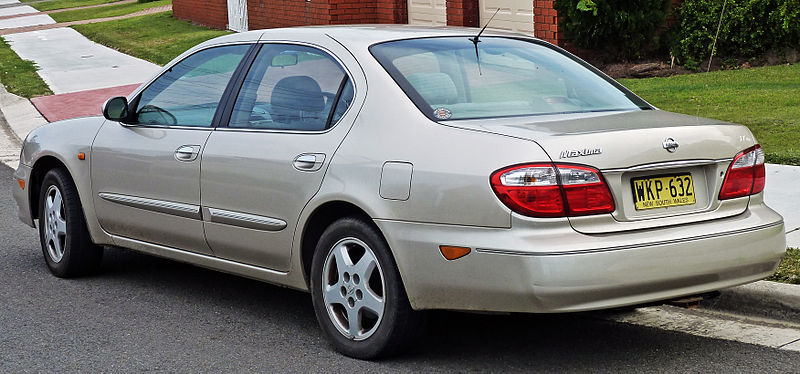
[
  {"x": 548, "y": 190},
  {"x": 746, "y": 175}
]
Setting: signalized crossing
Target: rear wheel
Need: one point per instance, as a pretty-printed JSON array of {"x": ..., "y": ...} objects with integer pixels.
[
  {"x": 358, "y": 296},
  {"x": 68, "y": 250}
]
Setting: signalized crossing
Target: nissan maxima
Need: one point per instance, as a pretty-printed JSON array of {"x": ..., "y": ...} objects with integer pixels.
[{"x": 389, "y": 170}]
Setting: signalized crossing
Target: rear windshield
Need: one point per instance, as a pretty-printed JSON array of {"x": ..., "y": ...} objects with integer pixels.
[{"x": 449, "y": 78}]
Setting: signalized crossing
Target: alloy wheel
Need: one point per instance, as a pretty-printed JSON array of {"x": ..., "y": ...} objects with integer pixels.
[
  {"x": 353, "y": 289},
  {"x": 55, "y": 230}
]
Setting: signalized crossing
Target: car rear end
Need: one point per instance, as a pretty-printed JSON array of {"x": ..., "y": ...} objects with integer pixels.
[{"x": 629, "y": 205}]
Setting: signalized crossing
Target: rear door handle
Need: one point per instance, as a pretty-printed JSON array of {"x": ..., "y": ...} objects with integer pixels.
[
  {"x": 309, "y": 161},
  {"x": 187, "y": 153}
]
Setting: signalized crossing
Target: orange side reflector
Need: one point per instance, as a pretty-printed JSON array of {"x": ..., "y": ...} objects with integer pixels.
[
  {"x": 81, "y": 156},
  {"x": 451, "y": 253},
  {"x": 21, "y": 183}
]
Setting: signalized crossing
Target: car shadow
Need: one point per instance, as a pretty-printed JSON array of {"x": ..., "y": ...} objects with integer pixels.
[{"x": 479, "y": 341}]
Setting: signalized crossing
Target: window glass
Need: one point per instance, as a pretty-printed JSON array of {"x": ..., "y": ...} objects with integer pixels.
[
  {"x": 189, "y": 93},
  {"x": 452, "y": 78},
  {"x": 291, "y": 87},
  {"x": 345, "y": 99}
]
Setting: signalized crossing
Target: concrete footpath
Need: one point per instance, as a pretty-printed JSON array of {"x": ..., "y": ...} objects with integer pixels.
[
  {"x": 782, "y": 193},
  {"x": 69, "y": 62},
  {"x": 81, "y": 73}
]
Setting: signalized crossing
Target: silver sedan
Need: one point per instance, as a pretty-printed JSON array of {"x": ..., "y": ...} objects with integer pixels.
[{"x": 391, "y": 170}]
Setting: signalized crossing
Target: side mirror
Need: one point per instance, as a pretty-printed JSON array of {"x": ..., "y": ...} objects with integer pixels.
[{"x": 116, "y": 109}]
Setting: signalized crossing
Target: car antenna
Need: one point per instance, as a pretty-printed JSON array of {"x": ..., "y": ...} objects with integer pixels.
[{"x": 477, "y": 40}]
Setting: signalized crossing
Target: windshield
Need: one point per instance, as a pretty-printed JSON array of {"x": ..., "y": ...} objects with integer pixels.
[{"x": 449, "y": 78}]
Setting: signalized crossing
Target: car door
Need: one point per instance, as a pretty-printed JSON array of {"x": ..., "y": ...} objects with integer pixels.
[
  {"x": 259, "y": 172},
  {"x": 146, "y": 175}
]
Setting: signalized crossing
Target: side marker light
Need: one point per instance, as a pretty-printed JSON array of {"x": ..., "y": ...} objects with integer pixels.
[
  {"x": 81, "y": 156},
  {"x": 452, "y": 253},
  {"x": 21, "y": 183}
]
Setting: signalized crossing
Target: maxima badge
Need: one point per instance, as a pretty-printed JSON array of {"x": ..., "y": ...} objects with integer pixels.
[{"x": 581, "y": 152}]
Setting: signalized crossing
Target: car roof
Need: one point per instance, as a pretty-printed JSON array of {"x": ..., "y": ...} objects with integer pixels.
[{"x": 361, "y": 35}]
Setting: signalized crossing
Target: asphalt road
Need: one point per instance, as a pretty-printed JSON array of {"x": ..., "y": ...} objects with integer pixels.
[{"x": 143, "y": 313}]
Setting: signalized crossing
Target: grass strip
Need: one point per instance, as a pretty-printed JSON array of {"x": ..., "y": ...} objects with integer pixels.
[
  {"x": 154, "y": 37},
  {"x": 765, "y": 99},
  {"x": 63, "y": 4},
  {"x": 789, "y": 269},
  {"x": 18, "y": 75},
  {"x": 106, "y": 11}
]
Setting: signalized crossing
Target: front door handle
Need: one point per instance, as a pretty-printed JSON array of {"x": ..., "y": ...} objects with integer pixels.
[
  {"x": 187, "y": 153},
  {"x": 309, "y": 161}
]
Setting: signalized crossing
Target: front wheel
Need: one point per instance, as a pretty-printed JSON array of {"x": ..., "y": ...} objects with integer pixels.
[
  {"x": 68, "y": 249},
  {"x": 358, "y": 297}
]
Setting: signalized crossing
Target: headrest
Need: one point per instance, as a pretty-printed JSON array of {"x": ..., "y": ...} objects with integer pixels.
[
  {"x": 300, "y": 93},
  {"x": 435, "y": 88}
]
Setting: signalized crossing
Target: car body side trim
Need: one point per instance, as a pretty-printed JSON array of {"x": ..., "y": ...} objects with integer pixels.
[
  {"x": 161, "y": 206},
  {"x": 632, "y": 246},
  {"x": 250, "y": 221},
  {"x": 199, "y": 259}
]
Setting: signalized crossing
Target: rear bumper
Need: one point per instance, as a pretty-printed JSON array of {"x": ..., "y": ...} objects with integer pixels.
[
  {"x": 21, "y": 196},
  {"x": 545, "y": 270}
]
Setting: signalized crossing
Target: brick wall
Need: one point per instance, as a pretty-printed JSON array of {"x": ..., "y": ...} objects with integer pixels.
[
  {"x": 353, "y": 11},
  {"x": 285, "y": 13},
  {"x": 463, "y": 13},
  {"x": 211, "y": 13},
  {"x": 545, "y": 22},
  {"x": 391, "y": 11},
  {"x": 263, "y": 14}
]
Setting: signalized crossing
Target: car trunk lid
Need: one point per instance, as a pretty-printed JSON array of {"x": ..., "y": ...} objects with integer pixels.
[{"x": 631, "y": 150}]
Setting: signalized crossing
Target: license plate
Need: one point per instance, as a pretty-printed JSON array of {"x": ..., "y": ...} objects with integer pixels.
[{"x": 662, "y": 191}]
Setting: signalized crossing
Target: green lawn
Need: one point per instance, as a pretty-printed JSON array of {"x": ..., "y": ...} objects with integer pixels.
[
  {"x": 156, "y": 37},
  {"x": 18, "y": 75},
  {"x": 765, "y": 99},
  {"x": 106, "y": 11},
  {"x": 62, "y": 4},
  {"x": 789, "y": 269}
]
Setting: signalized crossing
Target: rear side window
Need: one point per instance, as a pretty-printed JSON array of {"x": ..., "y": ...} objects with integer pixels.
[
  {"x": 189, "y": 93},
  {"x": 292, "y": 87},
  {"x": 452, "y": 78}
]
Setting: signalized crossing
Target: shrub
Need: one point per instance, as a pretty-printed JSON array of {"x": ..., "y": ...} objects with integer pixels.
[
  {"x": 789, "y": 12},
  {"x": 619, "y": 28},
  {"x": 749, "y": 28}
]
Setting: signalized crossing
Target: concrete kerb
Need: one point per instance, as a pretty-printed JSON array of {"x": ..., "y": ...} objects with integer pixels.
[
  {"x": 21, "y": 116},
  {"x": 762, "y": 300}
]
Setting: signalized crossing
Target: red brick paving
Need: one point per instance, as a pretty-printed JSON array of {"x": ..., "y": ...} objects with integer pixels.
[
  {"x": 78, "y": 104},
  {"x": 18, "y": 30},
  {"x": 21, "y": 15}
]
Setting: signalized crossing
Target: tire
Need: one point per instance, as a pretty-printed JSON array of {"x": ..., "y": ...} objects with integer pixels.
[
  {"x": 67, "y": 247},
  {"x": 371, "y": 282}
]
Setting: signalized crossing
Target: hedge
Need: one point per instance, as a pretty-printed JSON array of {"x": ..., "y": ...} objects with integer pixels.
[
  {"x": 619, "y": 28},
  {"x": 749, "y": 28},
  {"x": 629, "y": 29}
]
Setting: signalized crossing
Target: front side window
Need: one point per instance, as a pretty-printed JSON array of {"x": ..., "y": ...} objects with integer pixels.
[
  {"x": 452, "y": 78},
  {"x": 189, "y": 93},
  {"x": 292, "y": 87}
]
